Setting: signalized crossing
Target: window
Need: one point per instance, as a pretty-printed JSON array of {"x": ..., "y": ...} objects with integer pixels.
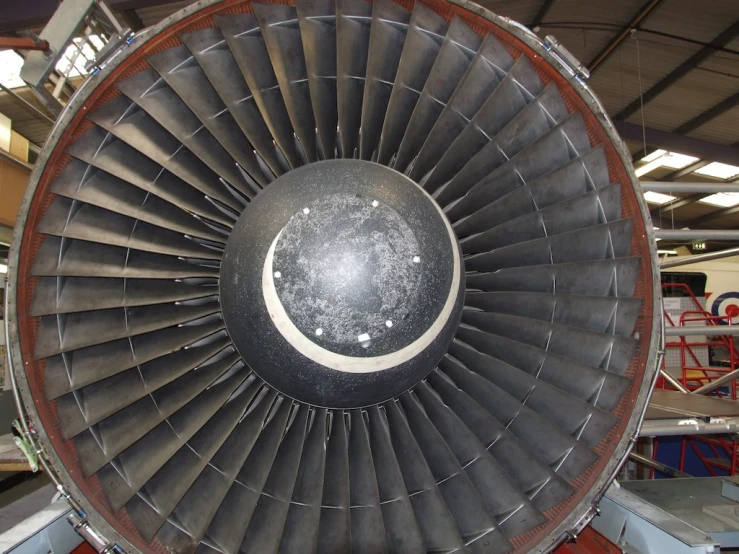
[
  {"x": 696, "y": 283},
  {"x": 10, "y": 69}
]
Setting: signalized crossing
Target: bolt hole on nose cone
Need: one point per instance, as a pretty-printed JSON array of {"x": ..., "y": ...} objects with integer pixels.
[{"x": 333, "y": 277}]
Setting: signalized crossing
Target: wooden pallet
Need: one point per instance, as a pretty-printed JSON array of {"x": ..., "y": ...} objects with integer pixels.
[{"x": 12, "y": 458}]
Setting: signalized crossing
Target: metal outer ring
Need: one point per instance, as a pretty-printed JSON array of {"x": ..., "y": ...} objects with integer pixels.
[{"x": 585, "y": 510}]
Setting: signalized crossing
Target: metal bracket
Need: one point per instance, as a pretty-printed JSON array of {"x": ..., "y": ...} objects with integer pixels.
[
  {"x": 93, "y": 538},
  {"x": 566, "y": 58},
  {"x": 108, "y": 51},
  {"x": 26, "y": 446},
  {"x": 75, "y": 20}
]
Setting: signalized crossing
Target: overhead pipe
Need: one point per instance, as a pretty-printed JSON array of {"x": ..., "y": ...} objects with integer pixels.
[
  {"x": 717, "y": 383},
  {"x": 697, "y": 234},
  {"x": 659, "y": 466},
  {"x": 674, "y": 382},
  {"x": 708, "y": 256},
  {"x": 691, "y": 330},
  {"x": 684, "y": 188}
]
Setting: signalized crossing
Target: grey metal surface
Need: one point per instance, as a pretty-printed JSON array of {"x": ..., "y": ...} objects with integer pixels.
[
  {"x": 692, "y": 405},
  {"x": 673, "y": 426},
  {"x": 263, "y": 501},
  {"x": 46, "y": 531},
  {"x": 639, "y": 527},
  {"x": 730, "y": 489},
  {"x": 669, "y": 496}
]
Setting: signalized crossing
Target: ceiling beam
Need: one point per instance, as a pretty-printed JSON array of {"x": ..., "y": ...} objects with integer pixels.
[
  {"x": 718, "y": 213},
  {"x": 22, "y": 15},
  {"x": 673, "y": 205},
  {"x": 720, "y": 41},
  {"x": 544, "y": 10},
  {"x": 712, "y": 113},
  {"x": 674, "y": 142},
  {"x": 26, "y": 105},
  {"x": 699, "y": 221},
  {"x": 687, "y": 170},
  {"x": 681, "y": 202},
  {"x": 678, "y": 174},
  {"x": 698, "y": 121},
  {"x": 623, "y": 34}
]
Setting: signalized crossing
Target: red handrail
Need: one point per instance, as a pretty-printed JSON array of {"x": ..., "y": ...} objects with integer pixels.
[
  {"x": 725, "y": 451},
  {"x": 689, "y": 360}
]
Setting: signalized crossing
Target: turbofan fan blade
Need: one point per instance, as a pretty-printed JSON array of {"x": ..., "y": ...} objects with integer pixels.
[{"x": 334, "y": 277}]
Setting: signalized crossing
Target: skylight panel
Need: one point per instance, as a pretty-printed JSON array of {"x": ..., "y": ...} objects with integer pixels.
[
  {"x": 719, "y": 170},
  {"x": 658, "y": 197},
  {"x": 722, "y": 199}
]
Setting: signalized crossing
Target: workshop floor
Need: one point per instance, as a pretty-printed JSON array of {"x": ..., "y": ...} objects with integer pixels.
[{"x": 21, "y": 496}]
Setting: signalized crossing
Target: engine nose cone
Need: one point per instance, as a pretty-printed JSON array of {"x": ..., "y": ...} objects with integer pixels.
[{"x": 341, "y": 284}]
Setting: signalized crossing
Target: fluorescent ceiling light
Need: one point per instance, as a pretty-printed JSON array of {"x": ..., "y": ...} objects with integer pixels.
[
  {"x": 658, "y": 197},
  {"x": 3, "y": 268},
  {"x": 722, "y": 199},
  {"x": 719, "y": 170},
  {"x": 668, "y": 252}
]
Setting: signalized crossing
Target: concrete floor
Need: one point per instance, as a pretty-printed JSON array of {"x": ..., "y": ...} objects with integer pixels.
[{"x": 24, "y": 499}]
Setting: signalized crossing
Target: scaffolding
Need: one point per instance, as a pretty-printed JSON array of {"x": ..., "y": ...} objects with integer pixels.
[{"x": 78, "y": 39}]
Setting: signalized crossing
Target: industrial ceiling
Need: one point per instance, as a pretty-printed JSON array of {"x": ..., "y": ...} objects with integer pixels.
[{"x": 666, "y": 72}]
